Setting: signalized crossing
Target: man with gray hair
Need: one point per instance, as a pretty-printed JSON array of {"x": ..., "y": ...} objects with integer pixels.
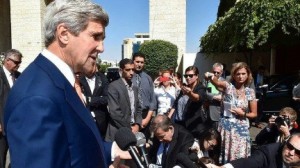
[
  {"x": 8, "y": 74},
  {"x": 214, "y": 95},
  {"x": 46, "y": 123}
]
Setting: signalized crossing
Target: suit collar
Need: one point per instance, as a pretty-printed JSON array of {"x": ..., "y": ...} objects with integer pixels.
[
  {"x": 174, "y": 139},
  {"x": 124, "y": 89},
  {"x": 98, "y": 83},
  {"x": 85, "y": 84},
  {"x": 64, "y": 68},
  {"x": 71, "y": 96},
  {"x": 3, "y": 76}
]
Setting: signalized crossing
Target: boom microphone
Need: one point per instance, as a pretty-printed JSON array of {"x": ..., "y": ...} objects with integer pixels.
[
  {"x": 141, "y": 143},
  {"x": 126, "y": 141}
]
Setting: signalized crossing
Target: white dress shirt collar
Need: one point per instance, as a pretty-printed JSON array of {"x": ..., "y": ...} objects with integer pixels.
[
  {"x": 8, "y": 76},
  {"x": 64, "y": 68}
]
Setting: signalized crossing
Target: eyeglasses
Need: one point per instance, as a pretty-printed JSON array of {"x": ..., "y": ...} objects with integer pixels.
[
  {"x": 188, "y": 75},
  {"x": 15, "y": 62},
  {"x": 291, "y": 147},
  {"x": 211, "y": 144},
  {"x": 215, "y": 72}
]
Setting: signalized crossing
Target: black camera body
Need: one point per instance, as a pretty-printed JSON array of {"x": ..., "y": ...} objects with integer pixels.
[{"x": 281, "y": 120}]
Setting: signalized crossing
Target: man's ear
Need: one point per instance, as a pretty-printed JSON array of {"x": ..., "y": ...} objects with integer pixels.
[{"x": 62, "y": 33}]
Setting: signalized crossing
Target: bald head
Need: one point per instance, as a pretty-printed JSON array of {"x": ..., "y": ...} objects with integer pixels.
[{"x": 161, "y": 121}]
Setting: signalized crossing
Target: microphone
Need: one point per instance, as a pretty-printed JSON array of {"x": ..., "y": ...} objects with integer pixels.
[
  {"x": 185, "y": 161},
  {"x": 263, "y": 86},
  {"x": 141, "y": 143},
  {"x": 126, "y": 141}
]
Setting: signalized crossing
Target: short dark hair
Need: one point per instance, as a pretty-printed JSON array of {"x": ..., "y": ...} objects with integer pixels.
[
  {"x": 195, "y": 70},
  {"x": 138, "y": 54},
  {"x": 210, "y": 134},
  {"x": 125, "y": 61}
]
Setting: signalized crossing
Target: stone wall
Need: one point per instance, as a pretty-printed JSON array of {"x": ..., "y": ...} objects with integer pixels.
[
  {"x": 26, "y": 28},
  {"x": 167, "y": 21}
]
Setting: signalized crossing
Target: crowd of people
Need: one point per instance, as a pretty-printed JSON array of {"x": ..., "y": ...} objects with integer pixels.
[{"x": 62, "y": 112}]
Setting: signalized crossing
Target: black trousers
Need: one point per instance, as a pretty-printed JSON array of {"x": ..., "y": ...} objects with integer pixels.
[{"x": 3, "y": 150}]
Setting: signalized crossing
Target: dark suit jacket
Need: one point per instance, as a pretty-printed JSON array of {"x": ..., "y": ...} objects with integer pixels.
[
  {"x": 267, "y": 137},
  {"x": 265, "y": 79},
  {"x": 181, "y": 141},
  {"x": 97, "y": 102},
  {"x": 119, "y": 108},
  {"x": 267, "y": 156},
  {"x": 214, "y": 105},
  {"x": 4, "y": 90},
  {"x": 46, "y": 123}
]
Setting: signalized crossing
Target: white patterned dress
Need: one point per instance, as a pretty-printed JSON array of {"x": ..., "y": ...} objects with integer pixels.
[{"x": 236, "y": 142}]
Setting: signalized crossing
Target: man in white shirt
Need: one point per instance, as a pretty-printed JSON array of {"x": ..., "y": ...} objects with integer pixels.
[
  {"x": 8, "y": 74},
  {"x": 95, "y": 86},
  {"x": 45, "y": 121},
  {"x": 123, "y": 103}
]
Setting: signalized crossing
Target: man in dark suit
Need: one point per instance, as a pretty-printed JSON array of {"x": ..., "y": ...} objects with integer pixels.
[
  {"x": 46, "y": 123},
  {"x": 123, "y": 102},
  {"x": 95, "y": 86},
  {"x": 8, "y": 74},
  {"x": 274, "y": 155},
  {"x": 169, "y": 140}
]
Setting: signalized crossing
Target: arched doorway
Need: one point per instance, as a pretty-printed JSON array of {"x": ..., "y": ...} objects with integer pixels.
[{"x": 5, "y": 27}]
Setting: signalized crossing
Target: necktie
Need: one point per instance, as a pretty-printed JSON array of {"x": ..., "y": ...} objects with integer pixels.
[
  {"x": 13, "y": 78},
  {"x": 78, "y": 88},
  {"x": 138, "y": 83},
  {"x": 164, "y": 155}
]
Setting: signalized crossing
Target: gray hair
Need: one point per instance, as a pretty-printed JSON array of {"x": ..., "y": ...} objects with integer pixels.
[
  {"x": 75, "y": 14},
  {"x": 13, "y": 53},
  {"x": 217, "y": 64}
]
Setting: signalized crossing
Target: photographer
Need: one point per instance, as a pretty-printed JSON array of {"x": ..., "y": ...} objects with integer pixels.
[
  {"x": 214, "y": 95},
  {"x": 279, "y": 127}
]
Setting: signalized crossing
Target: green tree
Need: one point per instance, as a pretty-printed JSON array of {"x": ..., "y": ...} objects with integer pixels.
[
  {"x": 254, "y": 24},
  {"x": 224, "y": 6},
  {"x": 159, "y": 55},
  {"x": 103, "y": 67}
]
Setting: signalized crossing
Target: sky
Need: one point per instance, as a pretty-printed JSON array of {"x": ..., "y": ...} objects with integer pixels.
[{"x": 127, "y": 17}]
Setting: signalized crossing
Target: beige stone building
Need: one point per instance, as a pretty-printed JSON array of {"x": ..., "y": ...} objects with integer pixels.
[
  {"x": 21, "y": 27},
  {"x": 132, "y": 45},
  {"x": 167, "y": 21}
]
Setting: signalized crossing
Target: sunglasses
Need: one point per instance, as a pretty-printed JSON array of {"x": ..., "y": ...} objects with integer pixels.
[
  {"x": 291, "y": 147},
  {"x": 215, "y": 72},
  {"x": 15, "y": 62},
  {"x": 188, "y": 75}
]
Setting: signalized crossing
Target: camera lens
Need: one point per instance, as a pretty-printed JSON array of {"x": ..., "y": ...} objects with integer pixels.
[{"x": 281, "y": 120}]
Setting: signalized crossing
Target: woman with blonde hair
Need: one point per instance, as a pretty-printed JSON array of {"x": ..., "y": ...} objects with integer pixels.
[{"x": 239, "y": 104}]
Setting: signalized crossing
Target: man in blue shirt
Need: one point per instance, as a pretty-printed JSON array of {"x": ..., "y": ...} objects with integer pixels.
[{"x": 146, "y": 91}]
